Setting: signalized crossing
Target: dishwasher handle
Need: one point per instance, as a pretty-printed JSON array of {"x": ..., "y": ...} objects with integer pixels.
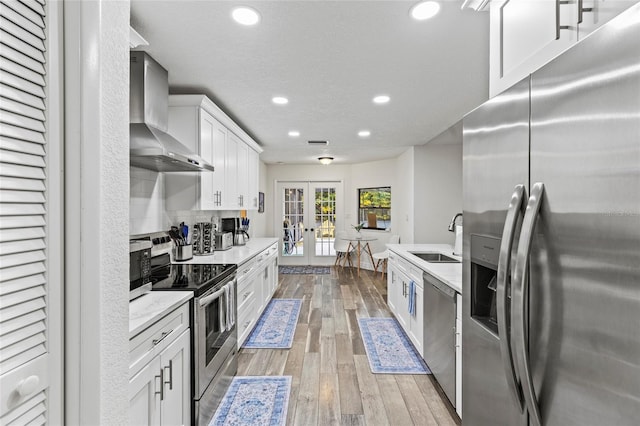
[{"x": 439, "y": 285}]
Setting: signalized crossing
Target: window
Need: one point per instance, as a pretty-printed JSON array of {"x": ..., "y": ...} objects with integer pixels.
[{"x": 374, "y": 207}]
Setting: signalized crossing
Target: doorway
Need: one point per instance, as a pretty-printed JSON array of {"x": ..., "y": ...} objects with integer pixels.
[{"x": 308, "y": 214}]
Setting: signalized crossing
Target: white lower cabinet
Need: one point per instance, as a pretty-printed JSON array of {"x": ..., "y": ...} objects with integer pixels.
[
  {"x": 398, "y": 289},
  {"x": 400, "y": 273},
  {"x": 257, "y": 281},
  {"x": 160, "y": 371}
]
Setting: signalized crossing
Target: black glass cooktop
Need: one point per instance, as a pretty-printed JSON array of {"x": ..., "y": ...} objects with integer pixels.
[{"x": 188, "y": 277}]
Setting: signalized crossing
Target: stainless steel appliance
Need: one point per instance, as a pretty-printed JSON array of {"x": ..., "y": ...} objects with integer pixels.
[
  {"x": 551, "y": 283},
  {"x": 222, "y": 241},
  {"x": 213, "y": 323},
  {"x": 233, "y": 225},
  {"x": 230, "y": 224},
  {"x": 139, "y": 268},
  {"x": 439, "y": 333},
  {"x": 151, "y": 147}
]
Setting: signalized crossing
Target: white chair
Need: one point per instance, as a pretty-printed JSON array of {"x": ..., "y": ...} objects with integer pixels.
[
  {"x": 341, "y": 247},
  {"x": 383, "y": 256}
]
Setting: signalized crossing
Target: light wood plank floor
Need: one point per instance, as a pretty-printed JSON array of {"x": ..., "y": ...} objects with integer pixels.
[{"x": 331, "y": 380}]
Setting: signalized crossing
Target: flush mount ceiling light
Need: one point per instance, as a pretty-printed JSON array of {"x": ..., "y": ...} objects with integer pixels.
[
  {"x": 280, "y": 100},
  {"x": 245, "y": 15},
  {"x": 325, "y": 160},
  {"x": 381, "y": 99},
  {"x": 294, "y": 133},
  {"x": 364, "y": 133},
  {"x": 425, "y": 10}
]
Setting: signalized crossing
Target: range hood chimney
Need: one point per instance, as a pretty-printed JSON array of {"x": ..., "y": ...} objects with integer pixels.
[{"x": 151, "y": 147}]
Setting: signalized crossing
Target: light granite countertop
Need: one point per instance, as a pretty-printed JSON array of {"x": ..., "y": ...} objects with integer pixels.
[
  {"x": 236, "y": 255},
  {"x": 150, "y": 307},
  {"x": 449, "y": 273}
]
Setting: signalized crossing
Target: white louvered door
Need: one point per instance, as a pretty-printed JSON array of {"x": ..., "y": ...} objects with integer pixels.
[{"x": 25, "y": 307}]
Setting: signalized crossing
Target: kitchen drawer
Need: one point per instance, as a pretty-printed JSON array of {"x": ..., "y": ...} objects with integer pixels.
[
  {"x": 245, "y": 297},
  {"x": 412, "y": 271},
  {"x": 247, "y": 317},
  {"x": 245, "y": 270},
  {"x": 153, "y": 340}
]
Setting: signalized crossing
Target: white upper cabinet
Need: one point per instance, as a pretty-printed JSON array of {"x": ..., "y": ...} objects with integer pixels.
[
  {"x": 243, "y": 175},
  {"x": 526, "y": 34},
  {"x": 200, "y": 125},
  {"x": 597, "y": 12},
  {"x": 253, "y": 175}
]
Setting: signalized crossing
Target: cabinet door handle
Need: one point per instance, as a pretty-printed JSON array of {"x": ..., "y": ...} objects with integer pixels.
[
  {"x": 161, "y": 377},
  {"x": 170, "y": 382},
  {"x": 581, "y": 10},
  {"x": 558, "y": 26}
]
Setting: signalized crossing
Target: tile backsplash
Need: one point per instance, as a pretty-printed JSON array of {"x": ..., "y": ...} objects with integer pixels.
[
  {"x": 146, "y": 201},
  {"x": 147, "y": 207}
]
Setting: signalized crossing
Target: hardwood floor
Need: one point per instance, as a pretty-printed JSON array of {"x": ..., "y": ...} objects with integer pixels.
[{"x": 331, "y": 380}]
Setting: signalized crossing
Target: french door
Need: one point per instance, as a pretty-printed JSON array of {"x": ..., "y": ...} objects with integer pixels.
[{"x": 307, "y": 216}]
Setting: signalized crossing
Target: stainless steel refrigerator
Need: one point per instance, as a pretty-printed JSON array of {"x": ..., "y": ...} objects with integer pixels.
[{"x": 551, "y": 271}]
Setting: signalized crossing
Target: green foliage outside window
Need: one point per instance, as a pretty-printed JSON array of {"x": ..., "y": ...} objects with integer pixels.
[{"x": 374, "y": 201}]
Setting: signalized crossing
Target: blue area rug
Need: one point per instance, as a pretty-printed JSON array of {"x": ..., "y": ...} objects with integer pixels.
[
  {"x": 254, "y": 401},
  {"x": 388, "y": 348},
  {"x": 276, "y": 326},
  {"x": 316, "y": 270}
]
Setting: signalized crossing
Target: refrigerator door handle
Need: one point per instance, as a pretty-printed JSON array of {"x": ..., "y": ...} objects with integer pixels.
[
  {"x": 502, "y": 300},
  {"x": 520, "y": 297}
]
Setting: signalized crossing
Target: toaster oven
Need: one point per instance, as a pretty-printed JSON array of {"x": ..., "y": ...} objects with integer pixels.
[{"x": 222, "y": 241}]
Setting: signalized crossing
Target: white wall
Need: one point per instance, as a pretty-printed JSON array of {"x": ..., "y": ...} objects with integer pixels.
[
  {"x": 353, "y": 176},
  {"x": 96, "y": 209},
  {"x": 438, "y": 186},
  {"x": 402, "y": 199},
  {"x": 258, "y": 221}
]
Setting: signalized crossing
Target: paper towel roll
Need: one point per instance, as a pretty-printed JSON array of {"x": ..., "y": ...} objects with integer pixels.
[{"x": 457, "y": 247}]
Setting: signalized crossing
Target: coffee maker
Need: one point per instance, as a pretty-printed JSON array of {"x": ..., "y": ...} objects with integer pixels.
[{"x": 232, "y": 224}]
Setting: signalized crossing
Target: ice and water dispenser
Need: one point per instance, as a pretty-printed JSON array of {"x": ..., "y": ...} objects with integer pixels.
[{"x": 485, "y": 251}]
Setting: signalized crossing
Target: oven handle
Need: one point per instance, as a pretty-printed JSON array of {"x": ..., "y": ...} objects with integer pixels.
[{"x": 207, "y": 300}]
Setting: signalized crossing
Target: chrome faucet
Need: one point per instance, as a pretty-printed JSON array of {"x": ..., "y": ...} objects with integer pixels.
[{"x": 452, "y": 225}]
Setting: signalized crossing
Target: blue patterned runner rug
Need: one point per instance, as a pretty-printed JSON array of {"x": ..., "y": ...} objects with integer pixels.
[
  {"x": 276, "y": 326},
  {"x": 388, "y": 349},
  {"x": 316, "y": 270},
  {"x": 254, "y": 401}
]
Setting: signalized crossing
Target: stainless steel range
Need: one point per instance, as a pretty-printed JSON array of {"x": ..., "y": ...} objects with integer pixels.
[{"x": 213, "y": 322}]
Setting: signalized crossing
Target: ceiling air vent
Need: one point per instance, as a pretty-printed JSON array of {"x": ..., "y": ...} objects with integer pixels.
[{"x": 318, "y": 143}]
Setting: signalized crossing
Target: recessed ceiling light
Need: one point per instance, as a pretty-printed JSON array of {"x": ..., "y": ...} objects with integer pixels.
[
  {"x": 245, "y": 15},
  {"x": 364, "y": 133},
  {"x": 425, "y": 10},
  {"x": 294, "y": 133},
  {"x": 381, "y": 99},
  {"x": 280, "y": 100}
]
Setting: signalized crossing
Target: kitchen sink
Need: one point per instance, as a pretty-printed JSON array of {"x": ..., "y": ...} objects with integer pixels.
[{"x": 433, "y": 257}]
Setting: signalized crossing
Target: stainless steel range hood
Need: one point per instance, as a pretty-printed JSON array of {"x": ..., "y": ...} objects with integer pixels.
[{"x": 151, "y": 147}]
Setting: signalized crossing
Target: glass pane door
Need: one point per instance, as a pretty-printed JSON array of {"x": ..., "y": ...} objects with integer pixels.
[
  {"x": 293, "y": 199},
  {"x": 324, "y": 220},
  {"x": 308, "y": 212}
]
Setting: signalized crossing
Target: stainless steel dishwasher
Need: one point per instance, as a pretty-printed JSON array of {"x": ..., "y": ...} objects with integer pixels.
[{"x": 440, "y": 333}]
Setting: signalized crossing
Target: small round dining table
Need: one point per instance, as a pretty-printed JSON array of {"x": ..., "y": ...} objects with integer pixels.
[{"x": 356, "y": 242}]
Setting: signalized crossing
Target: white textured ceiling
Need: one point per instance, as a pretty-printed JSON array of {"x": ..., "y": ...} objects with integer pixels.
[{"x": 330, "y": 58}]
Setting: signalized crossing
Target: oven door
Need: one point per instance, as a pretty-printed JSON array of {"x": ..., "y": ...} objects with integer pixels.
[{"x": 215, "y": 333}]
